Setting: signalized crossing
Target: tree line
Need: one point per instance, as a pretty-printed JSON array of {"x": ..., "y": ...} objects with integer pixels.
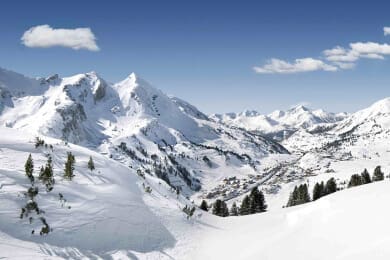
[
  {"x": 300, "y": 194},
  {"x": 251, "y": 204}
]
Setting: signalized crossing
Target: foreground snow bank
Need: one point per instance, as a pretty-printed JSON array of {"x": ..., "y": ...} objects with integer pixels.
[
  {"x": 104, "y": 209},
  {"x": 351, "y": 224}
]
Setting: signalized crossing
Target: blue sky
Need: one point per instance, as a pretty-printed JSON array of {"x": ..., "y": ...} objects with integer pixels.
[{"x": 205, "y": 51}]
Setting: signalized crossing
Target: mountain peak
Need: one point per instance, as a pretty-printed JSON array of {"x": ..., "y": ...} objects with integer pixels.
[
  {"x": 381, "y": 105},
  {"x": 299, "y": 108},
  {"x": 132, "y": 75}
]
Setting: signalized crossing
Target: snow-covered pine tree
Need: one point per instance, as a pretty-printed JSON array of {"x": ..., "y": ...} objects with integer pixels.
[
  {"x": 378, "y": 174},
  {"x": 303, "y": 194},
  {"x": 91, "y": 164},
  {"x": 234, "y": 210},
  {"x": 318, "y": 191},
  {"x": 365, "y": 177},
  {"x": 292, "y": 200},
  {"x": 29, "y": 168},
  {"x": 330, "y": 186},
  {"x": 355, "y": 180},
  {"x": 220, "y": 208},
  {"x": 46, "y": 174},
  {"x": 69, "y": 166},
  {"x": 245, "y": 206},
  {"x": 204, "y": 206},
  {"x": 257, "y": 201}
]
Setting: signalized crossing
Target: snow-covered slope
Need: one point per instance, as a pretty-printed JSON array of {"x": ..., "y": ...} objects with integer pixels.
[
  {"x": 101, "y": 212},
  {"x": 360, "y": 139},
  {"x": 135, "y": 124},
  {"x": 351, "y": 224},
  {"x": 109, "y": 215}
]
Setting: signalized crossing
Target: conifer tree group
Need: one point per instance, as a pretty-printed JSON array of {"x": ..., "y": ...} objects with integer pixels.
[
  {"x": 365, "y": 178},
  {"x": 321, "y": 190},
  {"x": 220, "y": 208},
  {"x": 46, "y": 174},
  {"x": 300, "y": 195},
  {"x": 355, "y": 180},
  {"x": 251, "y": 204}
]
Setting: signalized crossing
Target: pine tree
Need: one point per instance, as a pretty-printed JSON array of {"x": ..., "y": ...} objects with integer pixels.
[
  {"x": 303, "y": 194},
  {"x": 365, "y": 177},
  {"x": 69, "y": 166},
  {"x": 299, "y": 196},
  {"x": 378, "y": 174},
  {"x": 217, "y": 207},
  {"x": 29, "y": 168},
  {"x": 245, "y": 206},
  {"x": 292, "y": 200},
  {"x": 220, "y": 208},
  {"x": 355, "y": 180},
  {"x": 225, "y": 210},
  {"x": 234, "y": 210},
  {"x": 91, "y": 164},
  {"x": 46, "y": 174},
  {"x": 253, "y": 203},
  {"x": 204, "y": 206},
  {"x": 330, "y": 186},
  {"x": 257, "y": 201},
  {"x": 318, "y": 191},
  {"x": 262, "y": 204}
]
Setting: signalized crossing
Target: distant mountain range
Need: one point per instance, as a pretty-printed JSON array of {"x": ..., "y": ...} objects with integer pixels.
[{"x": 279, "y": 125}]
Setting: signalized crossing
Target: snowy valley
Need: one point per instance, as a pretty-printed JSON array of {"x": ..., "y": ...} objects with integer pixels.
[{"x": 157, "y": 157}]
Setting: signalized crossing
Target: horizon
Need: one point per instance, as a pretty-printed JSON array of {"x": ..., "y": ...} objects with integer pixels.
[{"x": 220, "y": 58}]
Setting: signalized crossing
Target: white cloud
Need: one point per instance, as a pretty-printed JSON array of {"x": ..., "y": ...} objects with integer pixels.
[
  {"x": 370, "y": 48},
  {"x": 299, "y": 65},
  {"x": 346, "y": 56},
  {"x": 386, "y": 30},
  {"x": 335, "y": 51},
  {"x": 44, "y": 36},
  {"x": 358, "y": 50},
  {"x": 345, "y": 65},
  {"x": 334, "y": 59}
]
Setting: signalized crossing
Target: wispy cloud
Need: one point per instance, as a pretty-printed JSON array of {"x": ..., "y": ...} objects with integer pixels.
[
  {"x": 299, "y": 65},
  {"x": 44, "y": 36},
  {"x": 337, "y": 58},
  {"x": 386, "y": 30}
]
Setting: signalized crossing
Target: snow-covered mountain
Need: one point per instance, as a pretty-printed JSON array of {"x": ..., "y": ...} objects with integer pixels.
[
  {"x": 279, "y": 124},
  {"x": 136, "y": 124},
  {"x": 157, "y": 155},
  {"x": 364, "y": 126}
]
